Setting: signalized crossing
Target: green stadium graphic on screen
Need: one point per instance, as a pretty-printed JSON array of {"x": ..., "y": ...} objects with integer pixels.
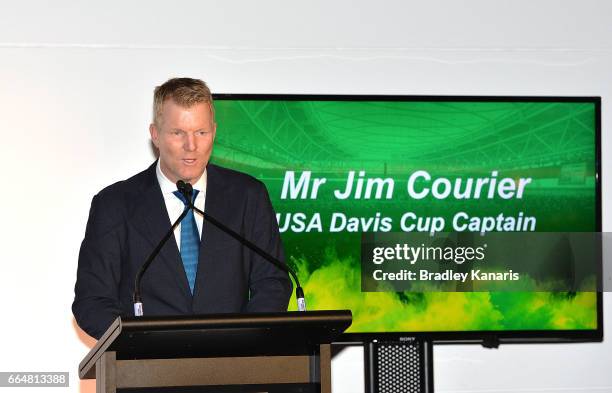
[{"x": 338, "y": 166}]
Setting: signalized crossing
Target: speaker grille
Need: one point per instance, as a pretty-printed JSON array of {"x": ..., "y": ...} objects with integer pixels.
[{"x": 399, "y": 367}]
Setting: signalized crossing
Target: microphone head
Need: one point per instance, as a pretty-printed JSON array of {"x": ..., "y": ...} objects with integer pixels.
[{"x": 184, "y": 188}]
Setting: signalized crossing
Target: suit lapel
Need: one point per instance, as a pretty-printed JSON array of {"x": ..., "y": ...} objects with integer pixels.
[
  {"x": 153, "y": 221},
  {"x": 212, "y": 237}
]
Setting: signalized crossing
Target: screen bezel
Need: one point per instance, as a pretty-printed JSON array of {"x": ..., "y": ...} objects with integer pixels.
[{"x": 466, "y": 337}]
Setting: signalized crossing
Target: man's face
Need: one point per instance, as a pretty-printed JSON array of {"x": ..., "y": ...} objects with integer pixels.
[{"x": 184, "y": 139}]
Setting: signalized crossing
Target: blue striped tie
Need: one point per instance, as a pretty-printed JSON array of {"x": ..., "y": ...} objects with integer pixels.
[{"x": 190, "y": 242}]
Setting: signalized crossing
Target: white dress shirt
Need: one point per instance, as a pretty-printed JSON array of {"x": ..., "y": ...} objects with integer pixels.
[{"x": 175, "y": 206}]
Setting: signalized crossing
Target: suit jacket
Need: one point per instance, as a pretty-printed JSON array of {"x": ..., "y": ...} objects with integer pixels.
[{"x": 127, "y": 220}]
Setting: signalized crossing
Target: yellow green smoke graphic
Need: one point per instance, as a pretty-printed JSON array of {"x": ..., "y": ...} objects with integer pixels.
[{"x": 336, "y": 285}]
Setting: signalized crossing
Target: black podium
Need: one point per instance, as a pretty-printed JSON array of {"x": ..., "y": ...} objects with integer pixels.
[{"x": 272, "y": 352}]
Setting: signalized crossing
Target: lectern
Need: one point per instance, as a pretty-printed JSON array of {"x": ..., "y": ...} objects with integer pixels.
[{"x": 267, "y": 352}]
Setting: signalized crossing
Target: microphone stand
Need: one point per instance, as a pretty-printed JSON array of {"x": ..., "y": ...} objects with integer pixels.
[
  {"x": 138, "y": 311},
  {"x": 186, "y": 189}
]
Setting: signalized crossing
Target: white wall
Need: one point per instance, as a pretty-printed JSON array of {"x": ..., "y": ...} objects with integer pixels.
[{"x": 75, "y": 90}]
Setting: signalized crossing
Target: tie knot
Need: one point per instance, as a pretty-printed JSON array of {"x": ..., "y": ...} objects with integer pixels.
[{"x": 182, "y": 198}]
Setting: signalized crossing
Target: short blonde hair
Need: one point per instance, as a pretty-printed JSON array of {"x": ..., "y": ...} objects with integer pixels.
[{"x": 185, "y": 92}]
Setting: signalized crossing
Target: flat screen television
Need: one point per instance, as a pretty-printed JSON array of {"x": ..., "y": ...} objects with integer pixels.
[{"x": 291, "y": 142}]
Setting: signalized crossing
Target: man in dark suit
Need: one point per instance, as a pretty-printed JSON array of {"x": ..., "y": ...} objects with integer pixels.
[{"x": 201, "y": 269}]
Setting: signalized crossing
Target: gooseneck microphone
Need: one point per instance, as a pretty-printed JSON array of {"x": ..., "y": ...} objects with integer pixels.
[
  {"x": 186, "y": 189},
  {"x": 138, "y": 311}
]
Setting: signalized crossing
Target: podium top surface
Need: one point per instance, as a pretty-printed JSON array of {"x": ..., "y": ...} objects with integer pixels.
[{"x": 217, "y": 335}]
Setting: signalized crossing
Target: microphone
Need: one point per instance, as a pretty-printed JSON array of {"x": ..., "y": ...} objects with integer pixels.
[
  {"x": 187, "y": 190},
  {"x": 138, "y": 309}
]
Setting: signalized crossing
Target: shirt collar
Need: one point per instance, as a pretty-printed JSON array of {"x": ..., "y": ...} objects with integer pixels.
[{"x": 167, "y": 187}]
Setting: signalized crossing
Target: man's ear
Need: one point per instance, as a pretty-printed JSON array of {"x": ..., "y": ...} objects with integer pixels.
[{"x": 154, "y": 134}]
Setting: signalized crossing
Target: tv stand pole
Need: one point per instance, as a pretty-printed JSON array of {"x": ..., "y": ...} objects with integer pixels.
[{"x": 399, "y": 366}]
